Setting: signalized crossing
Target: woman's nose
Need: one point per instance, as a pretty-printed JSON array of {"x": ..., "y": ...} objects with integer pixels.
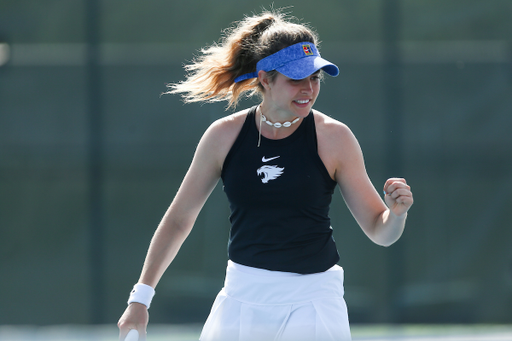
[{"x": 307, "y": 86}]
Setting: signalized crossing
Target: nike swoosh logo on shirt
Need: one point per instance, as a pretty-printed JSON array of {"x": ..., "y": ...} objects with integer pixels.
[{"x": 264, "y": 159}]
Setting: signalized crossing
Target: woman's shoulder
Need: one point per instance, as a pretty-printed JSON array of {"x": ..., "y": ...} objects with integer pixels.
[
  {"x": 229, "y": 125},
  {"x": 337, "y": 145},
  {"x": 222, "y": 133},
  {"x": 331, "y": 127},
  {"x": 234, "y": 120}
]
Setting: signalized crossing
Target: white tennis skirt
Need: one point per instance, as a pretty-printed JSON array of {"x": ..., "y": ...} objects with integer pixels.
[{"x": 263, "y": 305}]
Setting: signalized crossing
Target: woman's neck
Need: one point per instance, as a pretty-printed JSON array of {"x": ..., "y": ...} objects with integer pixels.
[{"x": 276, "y": 129}]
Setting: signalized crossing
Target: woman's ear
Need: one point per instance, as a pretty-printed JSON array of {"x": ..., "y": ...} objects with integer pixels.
[{"x": 264, "y": 79}]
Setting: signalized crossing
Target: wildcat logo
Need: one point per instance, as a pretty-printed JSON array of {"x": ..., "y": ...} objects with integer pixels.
[{"x": 269, "y": 173}]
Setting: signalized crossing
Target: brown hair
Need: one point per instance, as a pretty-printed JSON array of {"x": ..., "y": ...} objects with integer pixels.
[{"x": 211, "y": 75}]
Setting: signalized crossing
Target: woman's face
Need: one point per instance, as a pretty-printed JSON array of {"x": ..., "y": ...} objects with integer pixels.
[{"x": 292, "y": 97}]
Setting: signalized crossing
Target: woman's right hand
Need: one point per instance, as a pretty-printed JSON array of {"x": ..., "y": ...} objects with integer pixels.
[{"x": 135, "y": 316}]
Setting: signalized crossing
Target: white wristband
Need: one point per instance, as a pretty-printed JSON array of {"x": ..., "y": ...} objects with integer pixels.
[{"x": 142, "y": 293}]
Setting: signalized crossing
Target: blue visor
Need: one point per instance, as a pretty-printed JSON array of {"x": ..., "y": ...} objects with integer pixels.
[{"x": 297, "y": 61}]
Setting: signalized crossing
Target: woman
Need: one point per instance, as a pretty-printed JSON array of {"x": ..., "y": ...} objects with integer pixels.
[{"x": 280, "y": 162}]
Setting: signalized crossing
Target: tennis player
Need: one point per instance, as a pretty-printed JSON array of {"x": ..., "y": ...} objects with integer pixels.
[{"x": 280, "y": 162}]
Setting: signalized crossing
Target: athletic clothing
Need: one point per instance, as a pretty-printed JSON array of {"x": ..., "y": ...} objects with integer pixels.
[
  {"x": 282, "y": 282},
  {"x": 262, "y": 305},
  {"x": 279, "y": 195}
]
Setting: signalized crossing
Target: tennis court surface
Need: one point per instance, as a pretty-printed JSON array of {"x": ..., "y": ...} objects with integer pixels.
[{"x": 191, "y": 332}]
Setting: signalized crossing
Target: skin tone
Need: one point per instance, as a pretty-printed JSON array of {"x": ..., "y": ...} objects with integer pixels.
[{"x": 284, "y": 100}]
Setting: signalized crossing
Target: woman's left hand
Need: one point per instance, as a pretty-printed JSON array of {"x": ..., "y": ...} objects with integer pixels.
[{"x": 398, "y": 196}]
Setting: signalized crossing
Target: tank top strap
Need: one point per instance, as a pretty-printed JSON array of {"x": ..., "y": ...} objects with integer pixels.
[
  {"x": 311, "y": 133},
  {"x": 244, "y": 132}
]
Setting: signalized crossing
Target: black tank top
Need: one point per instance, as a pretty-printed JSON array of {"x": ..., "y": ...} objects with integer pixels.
[{"x": 279, "y": 195}]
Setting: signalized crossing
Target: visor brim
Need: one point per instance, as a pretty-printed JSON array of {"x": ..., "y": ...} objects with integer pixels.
[{"x": 304, "y": 67}]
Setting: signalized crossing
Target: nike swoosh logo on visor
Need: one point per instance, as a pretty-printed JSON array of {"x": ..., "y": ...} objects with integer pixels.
[{"x": 264, "y": 159}]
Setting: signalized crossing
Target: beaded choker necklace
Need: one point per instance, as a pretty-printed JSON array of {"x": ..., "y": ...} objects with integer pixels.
[{"x": 275, "y": 125}]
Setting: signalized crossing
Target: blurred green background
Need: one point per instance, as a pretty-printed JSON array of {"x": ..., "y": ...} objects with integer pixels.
[{"x": 91, "y": 154}]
